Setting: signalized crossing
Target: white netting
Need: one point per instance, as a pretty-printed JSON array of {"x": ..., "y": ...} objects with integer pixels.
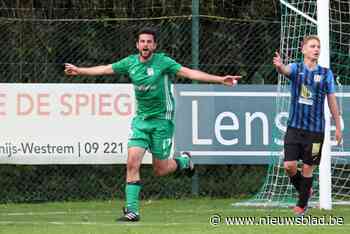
[{"x": 299, "y": 18}]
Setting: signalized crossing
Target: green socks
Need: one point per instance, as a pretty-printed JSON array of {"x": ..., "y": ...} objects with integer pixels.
[
  {"x": 182, "y": 162},
  {"x": 132, "y": 192}
]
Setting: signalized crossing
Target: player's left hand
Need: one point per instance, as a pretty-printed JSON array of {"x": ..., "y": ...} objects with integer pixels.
[
  {"x": 338, "y": 136},
  {"x": 230, "y": 80},
  {"x": 70, "y": 69}
]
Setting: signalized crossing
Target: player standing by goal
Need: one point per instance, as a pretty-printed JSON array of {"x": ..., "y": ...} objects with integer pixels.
[
  {"x": 310, "y": 85},
  {"x": 153, "y": 126}
]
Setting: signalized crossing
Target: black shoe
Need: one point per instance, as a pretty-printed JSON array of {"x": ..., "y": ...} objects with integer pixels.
[
  {"x": 190, "y": 170},
  {"x": 129, "y": 216}
]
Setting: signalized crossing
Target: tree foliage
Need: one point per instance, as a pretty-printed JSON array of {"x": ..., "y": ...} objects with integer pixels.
[
  {"x": 83, "y": 9},
  {"x": 235, "y": 36}
]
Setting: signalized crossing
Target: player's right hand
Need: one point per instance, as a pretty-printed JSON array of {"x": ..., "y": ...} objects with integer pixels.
[
  {"x": 277, "y": 61},
  {"x": 338, "y": 136},
  {"x": 70, "y": 69}
]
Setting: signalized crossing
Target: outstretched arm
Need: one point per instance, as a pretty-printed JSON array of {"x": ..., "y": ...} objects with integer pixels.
[
  {"x": 280, "y": 67},
  {"x": 205, "y": 77},
  {"x": 73, "y": 70},
  {"x": 333, "y": 107}
]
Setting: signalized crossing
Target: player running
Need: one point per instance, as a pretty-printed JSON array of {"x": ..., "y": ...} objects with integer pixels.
[{"x": 153, "y": 126}]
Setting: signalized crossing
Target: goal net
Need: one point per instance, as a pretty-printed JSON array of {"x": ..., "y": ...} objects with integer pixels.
[{"x": 299, "y": 18}]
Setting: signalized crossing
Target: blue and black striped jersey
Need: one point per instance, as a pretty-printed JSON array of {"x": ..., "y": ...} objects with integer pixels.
[{"x": 308, "y": 91}]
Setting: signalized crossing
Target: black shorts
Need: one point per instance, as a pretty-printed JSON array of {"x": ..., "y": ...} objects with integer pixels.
[{"x": 303, "y": 145}]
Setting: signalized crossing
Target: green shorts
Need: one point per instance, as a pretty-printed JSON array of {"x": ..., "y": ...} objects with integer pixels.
[{"x": 155, "y": 135}]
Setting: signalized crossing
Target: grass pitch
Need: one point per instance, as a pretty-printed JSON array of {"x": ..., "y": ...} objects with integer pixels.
[{"x": 161, "y": 216}]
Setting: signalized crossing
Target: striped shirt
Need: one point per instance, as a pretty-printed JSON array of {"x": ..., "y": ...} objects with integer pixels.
[{"x": 308, "y": 91}]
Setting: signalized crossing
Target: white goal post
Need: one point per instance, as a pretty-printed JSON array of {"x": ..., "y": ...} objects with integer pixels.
[
  {"x": 330, "y": 20},
  {"x": 325, "y": 177}
]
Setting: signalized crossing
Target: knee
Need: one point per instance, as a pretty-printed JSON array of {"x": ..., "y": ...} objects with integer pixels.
[
  {"x": 157, "y": 171},
  {"x": 132, "y": 166},
  {"x": 307, "y": 170},
  {"x": 290, "y": 168}
]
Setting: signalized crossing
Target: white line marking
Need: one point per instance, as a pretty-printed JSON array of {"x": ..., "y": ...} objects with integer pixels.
[
  {"x": 54, "y": 213},
  {"x": 142, "y": 224},
  {"x": 250, "y": 153},
  {"x": 95, "y": 223},
  {"x": 234, "y": 153},
  {"x": 242, "y": 94},
  {"x": 84, "y": 212},
  {"x": 232, "y": 94}
]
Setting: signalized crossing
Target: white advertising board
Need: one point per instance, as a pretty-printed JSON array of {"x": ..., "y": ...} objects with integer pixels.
[{"x": 65, "y": 123}]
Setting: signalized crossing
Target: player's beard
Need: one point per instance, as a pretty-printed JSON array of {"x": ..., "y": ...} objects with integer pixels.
[{"x": 146, "y": 54}]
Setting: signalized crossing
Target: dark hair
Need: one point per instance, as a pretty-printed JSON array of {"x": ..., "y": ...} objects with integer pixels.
[{"x": 148, "y": 30}]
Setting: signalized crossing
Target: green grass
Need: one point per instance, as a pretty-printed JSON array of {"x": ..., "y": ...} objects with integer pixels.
[{"x": 161, "y": 216}]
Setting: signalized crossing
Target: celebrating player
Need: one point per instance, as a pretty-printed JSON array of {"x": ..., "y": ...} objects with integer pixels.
[
  {"x": 153, "y": 126},
  {"x": 310, "y": 84}
]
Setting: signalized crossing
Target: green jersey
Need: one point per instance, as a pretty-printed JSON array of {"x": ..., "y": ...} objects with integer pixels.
[{"x": 151, "y": 84}]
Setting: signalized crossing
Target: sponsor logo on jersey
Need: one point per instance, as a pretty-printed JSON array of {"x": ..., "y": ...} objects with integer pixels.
[
  {"x": 317, "y": 78},
  {"x": 150, "y": 71},
  {"x": 145, "y": 88}
]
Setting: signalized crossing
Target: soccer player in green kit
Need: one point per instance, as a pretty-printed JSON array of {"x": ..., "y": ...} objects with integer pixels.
[{"x": 153, "y": 126}]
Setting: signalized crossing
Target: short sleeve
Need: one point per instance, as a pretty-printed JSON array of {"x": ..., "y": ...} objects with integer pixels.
[
  {"x": 293, "y": 70},
  {"x": 330, "y": 82},
  {"x": 171, "y": 66},
  {"x": 122, "y": 66}
]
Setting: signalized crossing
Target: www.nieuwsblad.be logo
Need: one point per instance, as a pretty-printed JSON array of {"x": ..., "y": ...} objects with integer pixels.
[{"x": 217, "y": 219}]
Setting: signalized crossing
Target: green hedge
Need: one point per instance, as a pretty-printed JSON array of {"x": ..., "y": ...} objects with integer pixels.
[{"x": 68, "y": 183}]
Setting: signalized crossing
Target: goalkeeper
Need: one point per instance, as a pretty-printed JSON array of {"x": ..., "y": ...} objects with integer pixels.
[
  {"x": 153, "y": 126},
  {"x": 310, "y": 85}
]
